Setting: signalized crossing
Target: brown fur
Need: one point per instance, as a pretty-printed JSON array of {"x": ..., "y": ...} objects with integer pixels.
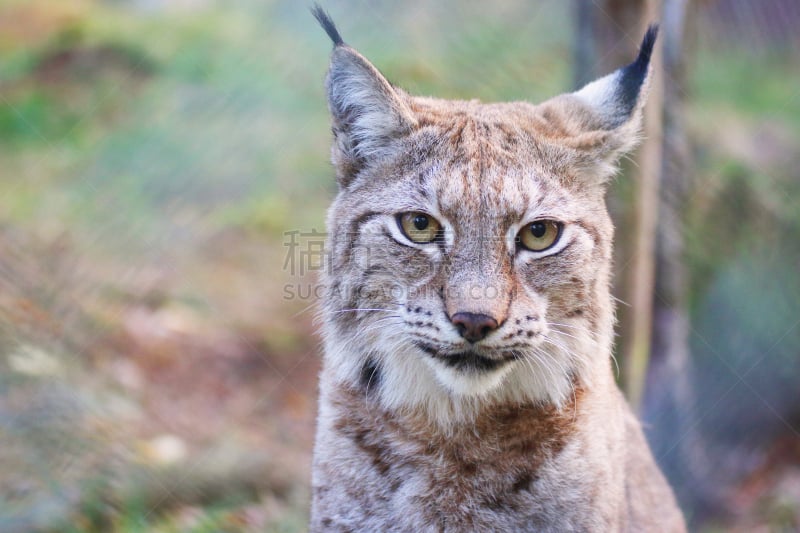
[
  {"x": 524, "y": 430},
  {"x": 472, "y": 463}
]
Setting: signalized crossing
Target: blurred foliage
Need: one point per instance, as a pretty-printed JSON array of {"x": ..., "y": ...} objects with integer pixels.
[{"x": 152, "y": 155}]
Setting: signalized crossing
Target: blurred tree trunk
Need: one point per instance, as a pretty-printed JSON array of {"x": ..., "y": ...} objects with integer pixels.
[
  {"x": 616, "y": 27},
  {"x": 669, "y": 397},
  {"x": 655, "y": 329},
  {"x": 641, "y": 282},
  {"x": 605, "y": 39}
]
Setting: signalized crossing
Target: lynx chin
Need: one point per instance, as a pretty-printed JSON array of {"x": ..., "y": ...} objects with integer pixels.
[{"x": 467, "y": 382}]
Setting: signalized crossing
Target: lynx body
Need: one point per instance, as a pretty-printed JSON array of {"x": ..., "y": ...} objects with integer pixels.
[{"x": 467, "y": 382}]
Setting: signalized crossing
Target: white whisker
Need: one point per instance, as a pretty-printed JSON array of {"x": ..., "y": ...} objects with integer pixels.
[
  {"x": 554, "y": 330},
  {"x": 359, "y": 309},
  {"x": 616, "y": 364},
  {"x": 571, "y": 326}
]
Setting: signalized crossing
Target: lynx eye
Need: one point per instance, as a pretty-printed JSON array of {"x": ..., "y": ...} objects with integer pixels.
[
  {"x": 539, "y": 235},
  {"x": 419, "y": 227}
]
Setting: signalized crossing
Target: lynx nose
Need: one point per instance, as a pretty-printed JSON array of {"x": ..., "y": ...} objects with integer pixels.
[{"x": 473, "y": 326}]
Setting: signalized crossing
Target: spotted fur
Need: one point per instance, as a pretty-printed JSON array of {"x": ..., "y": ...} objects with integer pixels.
[{"x": 524, "y": 430}]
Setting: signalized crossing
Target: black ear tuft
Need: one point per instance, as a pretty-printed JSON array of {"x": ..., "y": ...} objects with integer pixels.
[
  {"x": 633, "y": 75},
  {"x": 327, "y": 24},
  {"x": 646, "y": 48}
]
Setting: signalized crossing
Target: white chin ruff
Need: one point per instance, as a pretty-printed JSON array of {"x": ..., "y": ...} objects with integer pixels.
[{"x": 468, "y": 382}]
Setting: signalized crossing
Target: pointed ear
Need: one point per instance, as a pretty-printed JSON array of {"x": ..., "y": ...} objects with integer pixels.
[
  {"x": 617, "y": 97},
  {"x": 366, "y": 111},
  {"x": 602, "y": 120}
]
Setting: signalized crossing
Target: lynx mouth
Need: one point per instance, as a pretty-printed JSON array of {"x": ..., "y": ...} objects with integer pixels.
[{"x": 468, "y": 360}]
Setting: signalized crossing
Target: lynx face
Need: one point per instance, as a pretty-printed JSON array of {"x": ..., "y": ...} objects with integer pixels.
[{"x": 469, "y": 243}]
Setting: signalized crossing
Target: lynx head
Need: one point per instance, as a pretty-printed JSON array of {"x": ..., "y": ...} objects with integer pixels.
[{"x": 469, "y": 243}]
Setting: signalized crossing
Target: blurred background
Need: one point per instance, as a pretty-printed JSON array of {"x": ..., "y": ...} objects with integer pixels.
[{"x": 163, "y": 181}]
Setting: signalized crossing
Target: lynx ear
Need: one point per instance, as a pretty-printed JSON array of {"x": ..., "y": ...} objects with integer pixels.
[
  {"x": 602, "y": 120},
  {"x": 617, "y": 97},
  {"x": 367, "y": 112}
]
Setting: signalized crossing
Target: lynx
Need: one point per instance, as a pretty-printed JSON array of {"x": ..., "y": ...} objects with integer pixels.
[{"x": 467, "y": 382}]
